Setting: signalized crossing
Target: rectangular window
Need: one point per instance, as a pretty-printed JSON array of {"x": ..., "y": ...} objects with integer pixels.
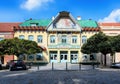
[
  {"x": 74, "y": 55},
  {"x": 53, "y": 56},
  {"x": 74, "y": 39},
  {"x": 34, "y": 24},
  {"x": 92, "y": 57},
  {"x": 39, "y": 39},
  {"x": 64, "y": 39},
  {"x": 84, "y": 39},
  {"x": 52, "y": 39}
]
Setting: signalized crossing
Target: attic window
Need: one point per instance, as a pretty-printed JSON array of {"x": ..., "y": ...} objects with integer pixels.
[{"x": 34, "y": 24}]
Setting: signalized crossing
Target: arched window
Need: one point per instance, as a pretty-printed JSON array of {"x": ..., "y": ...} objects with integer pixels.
[
  {"x": 21, "y": 37},
  {"x": 39, "y": 56},
  {"x": 30, "y": 37},
  {"x": 1, "y": 38},
  {"x": 84, "y": 39},
  {"x": 30, "y": 57},
  {"x": 39, "y": 38},
  {"x": 52, "y": 39}
]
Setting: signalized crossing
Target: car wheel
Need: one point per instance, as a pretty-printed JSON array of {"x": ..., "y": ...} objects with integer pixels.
[{"x": 0, "y": 67}]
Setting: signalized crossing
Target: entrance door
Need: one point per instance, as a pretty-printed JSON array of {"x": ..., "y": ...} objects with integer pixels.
[
  {"x": 63, "y": 56},
  {"x": 74, "y": 57},
  {"x": 53, "y": 56}
]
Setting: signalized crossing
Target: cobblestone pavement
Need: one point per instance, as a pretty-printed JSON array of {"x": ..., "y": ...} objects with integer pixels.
[{"x": 96, "y": 76}]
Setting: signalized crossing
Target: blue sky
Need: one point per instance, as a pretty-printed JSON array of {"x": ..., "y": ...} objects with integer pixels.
[{"x": 21, "y": 10}]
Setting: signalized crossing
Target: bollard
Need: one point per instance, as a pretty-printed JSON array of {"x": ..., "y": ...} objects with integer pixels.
[
  {"x": 52, "y": 66},
  {"x": 79, "y": 66},
  {"x": 38, "y": 67},
  {"x": 93, "y": 66},
  {"x": 66, "y": 66}
]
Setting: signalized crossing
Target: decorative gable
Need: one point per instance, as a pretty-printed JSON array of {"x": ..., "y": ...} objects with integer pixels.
[{"x": 64, "y": 22}]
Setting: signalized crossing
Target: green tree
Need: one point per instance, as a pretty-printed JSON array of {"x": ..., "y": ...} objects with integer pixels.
[
  {"x": 98, "y": 43},
  {"x": 18, "y": 46},
  {"x": 115, "y": 43}
]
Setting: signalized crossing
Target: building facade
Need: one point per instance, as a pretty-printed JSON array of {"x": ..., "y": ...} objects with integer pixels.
[
  {"x": 7, "y": 32},
  {"x": 60, "y": 38},
  {"x": 111, "y": 29}
]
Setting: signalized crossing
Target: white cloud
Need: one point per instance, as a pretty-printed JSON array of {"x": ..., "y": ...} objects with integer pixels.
[
  {"x": 114, "y": 16},
  {"x": 32, "y": 4}
]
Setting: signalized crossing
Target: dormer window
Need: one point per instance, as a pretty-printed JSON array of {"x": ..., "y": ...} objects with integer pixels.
[{"x": 34, "y": 24}]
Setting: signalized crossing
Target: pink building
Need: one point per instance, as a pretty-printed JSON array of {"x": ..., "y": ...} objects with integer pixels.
[
  {"x": 6, "y": 32},
  {"x": 111, "y": 29}
]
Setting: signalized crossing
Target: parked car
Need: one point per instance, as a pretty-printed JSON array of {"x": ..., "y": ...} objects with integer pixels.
[
  {"x": 16, "y": 65},
  {"x": 0, "y": 65},
  {"x": 115, "y": 65}
]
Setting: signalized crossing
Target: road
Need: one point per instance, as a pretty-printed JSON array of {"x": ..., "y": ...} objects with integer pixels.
[{"x": 96, "y": 76}]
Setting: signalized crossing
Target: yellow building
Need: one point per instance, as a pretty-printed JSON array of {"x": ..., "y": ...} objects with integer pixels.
[{"x": 60, "y": 38}]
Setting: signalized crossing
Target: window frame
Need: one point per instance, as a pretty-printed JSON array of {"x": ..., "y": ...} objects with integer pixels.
[
  {"x": 29, "y": 38},
  {"x": 84, "y": 39},
  {"x": 74, "y": 39},
  {"x": 39, "y": 38},
  {"x": 40, "y": 58},
  {"x": 64, "y": 39},
  {"x": 52, "y": 39},
  {"x": 21, "y": 37}
]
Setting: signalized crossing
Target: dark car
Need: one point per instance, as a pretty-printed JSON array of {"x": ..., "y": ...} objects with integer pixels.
[
  {"x": 0, "y": 65},
  {"x": 115, "y": 65},
  {"x": 16, "y": 65}
]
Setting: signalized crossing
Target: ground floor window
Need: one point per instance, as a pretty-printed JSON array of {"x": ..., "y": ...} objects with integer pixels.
[
  {"x": 53, "y": 56},
  {"x": 30, "y": 57},
  {"x": 92, "y": 57},
  {"x": 39, "y": 56},
  {"x": 85, "y": 57},
  {"x": 22, "y": 56},
  {"x": 74, "y": 56}
]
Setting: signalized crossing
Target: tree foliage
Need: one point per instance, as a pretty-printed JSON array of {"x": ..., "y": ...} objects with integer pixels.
[
  {"x": 95, "y": 44},
  {"x": 115, "y": 43},
  {"x": 18, "y": 46},
  {"x": 101, "y": 43}
]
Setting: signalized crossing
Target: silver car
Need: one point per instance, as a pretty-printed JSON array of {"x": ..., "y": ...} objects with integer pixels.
[{"x": 115, "y": 65}]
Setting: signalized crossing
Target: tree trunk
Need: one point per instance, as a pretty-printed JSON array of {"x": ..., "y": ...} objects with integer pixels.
[
  {"x": 105, "y": 61},
  {"x": 102, "y": 59},
  {"x": 114, "y": 58}
]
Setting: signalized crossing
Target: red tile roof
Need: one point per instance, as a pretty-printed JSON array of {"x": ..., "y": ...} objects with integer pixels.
[
  {"x": 29, "y": 28},
  {"x": 91, "y": 29},
  {"x": 109, "y": 24},
  {"x": 7, "y": 27}
]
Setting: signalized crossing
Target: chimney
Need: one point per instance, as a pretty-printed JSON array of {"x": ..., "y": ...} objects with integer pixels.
[
  {"x": 30, "y": 18},
  {"x": 53, "y": 18},
  {"x": 78, "y": 18}
]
